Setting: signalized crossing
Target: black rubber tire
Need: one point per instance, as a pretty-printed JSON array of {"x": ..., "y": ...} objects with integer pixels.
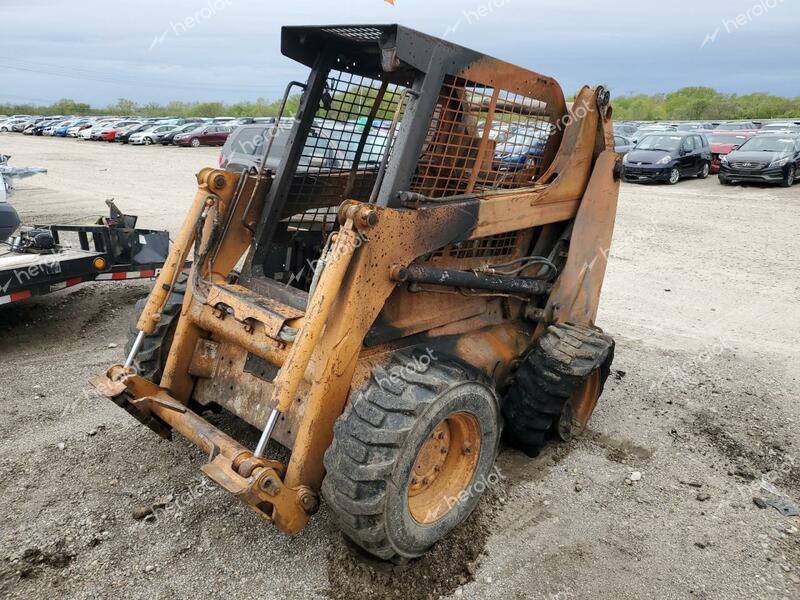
[
  {"x": 724, "y": 180},
  {"x": 670, "y": 179},
  {"x": 705, "y": 171},
  {"x": 152, "y": 356},
  {"x": 549, "y": 375},
  {"x": 789, "y": 180},
  {"x": 375, "y": 444}
]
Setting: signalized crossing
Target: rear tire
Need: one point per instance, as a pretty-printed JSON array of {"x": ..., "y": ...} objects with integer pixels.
[
  {"x": 705, "y": 171},
  {"x": 149, "y": 362},
  {"x": 411, "y": 455},
  {"x": 551, "y": 374}
]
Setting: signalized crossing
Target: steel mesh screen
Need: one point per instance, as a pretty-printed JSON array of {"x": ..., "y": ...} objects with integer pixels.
[
  {"x": 482, "y": 139},
  {"x": 342, "y": 153},
  {"x": 361, "y": 34}
]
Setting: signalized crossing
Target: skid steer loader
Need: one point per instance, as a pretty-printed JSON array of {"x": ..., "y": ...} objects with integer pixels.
[{"x": 422, "y": 266}]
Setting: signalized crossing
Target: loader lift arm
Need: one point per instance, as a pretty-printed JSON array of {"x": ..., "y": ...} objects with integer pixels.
[{"x": 438, "y": 194}]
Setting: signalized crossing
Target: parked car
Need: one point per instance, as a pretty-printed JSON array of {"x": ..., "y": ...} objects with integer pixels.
[
  {"x": 9, "y": 124},
  {"x": 519, "y": 149},
  {"x": 62, "y": 130},
  {"x": 668, "y": 157},
  {"x": 93, "y": 132},
  {"x": 53, "y": 127},
  {"x": 764, "y": 158},
  {"x": 209, "y": 135},
  {"x": 694, "y": 126},
  {"x": 325, "y": 148},
  {"x": 78, "y": 127},
  {"x": 31, "y": 125},
  {"x": 737, "y": 126},
  {"x": 724, "y": 142},
  {"x": 109, "y": 134},
  {"x": 782, "y": 127},
  {"x": 125, "y": 134},
  {"x": 19, "y": 125},
  {"x": 625, "y": 129},
  {"x": 151, "y": 134},
  {"x": 39, "y": 128},
  {"x": 622, "y": 144},
  {"x": 169, "y": 136},
  {"x": 643, "y": 132}
]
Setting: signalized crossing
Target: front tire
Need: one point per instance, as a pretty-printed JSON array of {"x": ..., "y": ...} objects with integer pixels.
[
  {"x": 195, "y": 143},
  {"x": 411, "y": 455},
  {"x": 674, "y": 176},
  {"x": 149, "y": 362},
  {"x": 791, "y": 174},
  {"x": 724, "y": 180}
]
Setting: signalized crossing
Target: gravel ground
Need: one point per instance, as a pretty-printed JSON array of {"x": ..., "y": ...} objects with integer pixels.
[{"x": 657, "y": 500}]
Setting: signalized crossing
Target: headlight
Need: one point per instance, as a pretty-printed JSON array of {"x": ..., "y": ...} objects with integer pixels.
[
  {"x": 724, "y": 160},
  {"x": 664, "y": 161},
  {"x": 780, "y": 162}
]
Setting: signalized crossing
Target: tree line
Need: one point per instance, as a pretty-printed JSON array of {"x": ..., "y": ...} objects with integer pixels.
[{"x": 687, "y": 104}]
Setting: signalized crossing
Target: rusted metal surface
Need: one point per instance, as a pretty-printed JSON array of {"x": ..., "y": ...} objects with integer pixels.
[
  {"x": 247, "y": 395},
  {"x": 176, "y": 376},
  {"x": 204, "y": 359},
  {"x": 254, "y": 339},
  {"x": 336, "y": 263},
  {"x": 536, "y": 228},
  {"x": 247, "y": 306},
  {"x": 204, "y": 199}
]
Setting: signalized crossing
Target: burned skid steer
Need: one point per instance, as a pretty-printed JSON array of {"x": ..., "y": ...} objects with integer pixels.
[{"x": 423, "y": 266}]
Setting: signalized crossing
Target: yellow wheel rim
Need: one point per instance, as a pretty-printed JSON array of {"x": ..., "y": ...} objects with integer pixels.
[{"x": 444, "y": 467}]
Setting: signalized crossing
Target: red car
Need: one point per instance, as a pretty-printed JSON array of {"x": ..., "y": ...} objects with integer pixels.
[
  {"x": 724, "y": 142},
  {"x": 210, "y": 135},
  {"x": 110, "y": 134}
]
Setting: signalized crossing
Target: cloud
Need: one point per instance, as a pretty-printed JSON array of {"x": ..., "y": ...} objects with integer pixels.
[{"x": 100, "y": 50}]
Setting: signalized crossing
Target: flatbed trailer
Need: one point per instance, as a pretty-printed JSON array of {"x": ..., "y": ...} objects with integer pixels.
[{"x": 111, "y": 250}]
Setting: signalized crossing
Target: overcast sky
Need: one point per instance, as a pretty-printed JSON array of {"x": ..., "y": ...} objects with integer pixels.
[{"x": 99, "y": 50}]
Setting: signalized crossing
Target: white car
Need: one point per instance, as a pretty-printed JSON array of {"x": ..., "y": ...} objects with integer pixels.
[
  {"x": 76, "y": 129},
  {"x": 8, "y": 125},
  {"x": 86, "y": 134},
  {"x": 151, "y": 135}
]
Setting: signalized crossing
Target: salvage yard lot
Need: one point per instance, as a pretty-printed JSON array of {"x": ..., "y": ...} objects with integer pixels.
[{"x": 701, "y": 295}]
